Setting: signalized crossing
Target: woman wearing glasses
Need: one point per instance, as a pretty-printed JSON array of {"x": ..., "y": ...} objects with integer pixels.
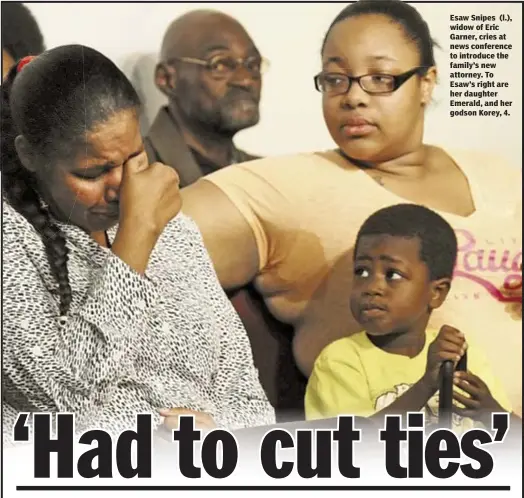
[{"x": 287, "y": 223}]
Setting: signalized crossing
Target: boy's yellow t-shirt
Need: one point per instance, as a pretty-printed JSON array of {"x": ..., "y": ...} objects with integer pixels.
[
  {"x": 305, "y": 212},
  {"x": 354, "y": 377}
]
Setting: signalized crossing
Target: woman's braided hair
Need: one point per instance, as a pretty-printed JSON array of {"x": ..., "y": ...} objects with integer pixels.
[{"x": 53, "y": 101}]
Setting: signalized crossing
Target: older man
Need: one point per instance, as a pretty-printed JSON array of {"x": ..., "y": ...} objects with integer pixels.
[{"x": 210, "y": 70}]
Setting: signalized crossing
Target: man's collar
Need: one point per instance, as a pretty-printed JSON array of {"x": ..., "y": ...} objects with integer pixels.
[
  {"x": 168, "y": 141},
  {"x": 166, "y": 137}
]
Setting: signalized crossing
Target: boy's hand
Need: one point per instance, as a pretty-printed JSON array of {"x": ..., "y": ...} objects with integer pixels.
[
  {"x": 450, "y": 344},
  {"x": 480, "y": 404}
]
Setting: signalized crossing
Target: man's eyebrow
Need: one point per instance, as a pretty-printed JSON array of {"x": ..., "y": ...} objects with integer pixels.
[{"x": 215, "y": 47}]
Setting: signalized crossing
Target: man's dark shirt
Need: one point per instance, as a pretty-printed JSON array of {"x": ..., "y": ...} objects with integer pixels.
[{"x": 165, "y": 144}]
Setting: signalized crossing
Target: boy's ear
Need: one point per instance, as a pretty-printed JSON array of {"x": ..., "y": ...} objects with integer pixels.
[{"x": 439, "y": 292}]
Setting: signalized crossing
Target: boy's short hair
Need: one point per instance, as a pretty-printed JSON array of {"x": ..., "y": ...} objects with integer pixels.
[
  {"x": 21, "y": 35},
  {"x": 438, "y": 242}
]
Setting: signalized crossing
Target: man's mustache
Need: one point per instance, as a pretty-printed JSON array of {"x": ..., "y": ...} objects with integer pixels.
[{"x": 236, "y": 94}]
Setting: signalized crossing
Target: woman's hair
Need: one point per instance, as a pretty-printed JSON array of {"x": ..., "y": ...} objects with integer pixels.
[
  {"x": 400, "y": 12},
  {"x": 53, "y": 102},
  {"x": 21, "y": 35}
]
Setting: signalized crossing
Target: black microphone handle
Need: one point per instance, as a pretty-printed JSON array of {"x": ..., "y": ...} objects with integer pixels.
[
  {"x": 446, "y": 394},
  {"x": 462, "y": 365}
]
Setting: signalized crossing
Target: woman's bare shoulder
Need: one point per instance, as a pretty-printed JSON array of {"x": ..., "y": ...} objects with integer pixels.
[{"x": 494, "y": 173}]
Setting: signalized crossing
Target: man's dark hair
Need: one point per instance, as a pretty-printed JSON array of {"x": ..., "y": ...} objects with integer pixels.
[
  {"x": 21, "y": 35},
  {"x": 400, "y": 12},
  {"x": 438, "y": 242},
  {"x": 53, "y": 101}
]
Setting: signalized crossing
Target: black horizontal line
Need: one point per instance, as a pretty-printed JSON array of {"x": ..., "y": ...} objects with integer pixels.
[{"x": 262, "y": 488}]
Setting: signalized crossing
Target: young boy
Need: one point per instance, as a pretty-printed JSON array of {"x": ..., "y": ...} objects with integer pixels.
[{"x": 404, "y": 259}]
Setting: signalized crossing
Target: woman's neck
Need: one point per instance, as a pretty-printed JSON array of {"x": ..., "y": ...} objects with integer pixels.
[
  {"x": 101, "y": 239},
  {"x": 410, "y": 165}
]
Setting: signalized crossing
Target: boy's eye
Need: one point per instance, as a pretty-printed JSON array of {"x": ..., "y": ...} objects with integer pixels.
[
  {"x": 393, "y": 275},
  {"x": 361, "y": 272}
]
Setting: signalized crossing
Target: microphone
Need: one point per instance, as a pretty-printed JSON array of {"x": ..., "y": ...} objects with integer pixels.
[{"x": 445, "y": 408}]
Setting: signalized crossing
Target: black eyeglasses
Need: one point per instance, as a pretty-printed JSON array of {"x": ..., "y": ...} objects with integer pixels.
[
  {"x": 374, "y": 84},
  {"x": 223, "y": 66}
]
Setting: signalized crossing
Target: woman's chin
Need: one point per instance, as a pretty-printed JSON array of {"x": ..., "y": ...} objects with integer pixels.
[{"x": 360, "y": 151}]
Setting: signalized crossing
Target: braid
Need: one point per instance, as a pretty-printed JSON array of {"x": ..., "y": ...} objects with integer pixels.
[
  {"x": 46, "y": 104},
  {"x": 18, "y": 186}
]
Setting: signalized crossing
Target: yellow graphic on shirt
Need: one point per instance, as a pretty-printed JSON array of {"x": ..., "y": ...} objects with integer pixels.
[{"x": 430, "y": 410}]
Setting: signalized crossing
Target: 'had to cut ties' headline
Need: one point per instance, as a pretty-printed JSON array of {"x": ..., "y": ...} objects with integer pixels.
[{"x": 407, "y": 450}]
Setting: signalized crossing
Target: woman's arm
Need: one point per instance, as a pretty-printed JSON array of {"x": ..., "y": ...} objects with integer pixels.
[
  {"x": 228, "y": 237},
  {"x": 74, "y": 367},
  {"x": 243, "y": 401}
]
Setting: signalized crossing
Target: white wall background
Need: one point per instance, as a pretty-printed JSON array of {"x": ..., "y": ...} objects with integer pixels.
[{"x": 289, "y": 35}]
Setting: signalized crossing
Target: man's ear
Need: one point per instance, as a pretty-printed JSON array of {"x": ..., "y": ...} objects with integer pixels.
[
  {"x": 439, "y": 292},
  {"x": 165, "y": 79},
  {"x": 25, "y": 153}
]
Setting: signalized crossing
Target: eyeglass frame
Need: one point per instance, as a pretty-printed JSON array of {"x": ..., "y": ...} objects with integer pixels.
[
  {"x": 398, "y": 80},
  {"x": 240, "y": 61}
]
